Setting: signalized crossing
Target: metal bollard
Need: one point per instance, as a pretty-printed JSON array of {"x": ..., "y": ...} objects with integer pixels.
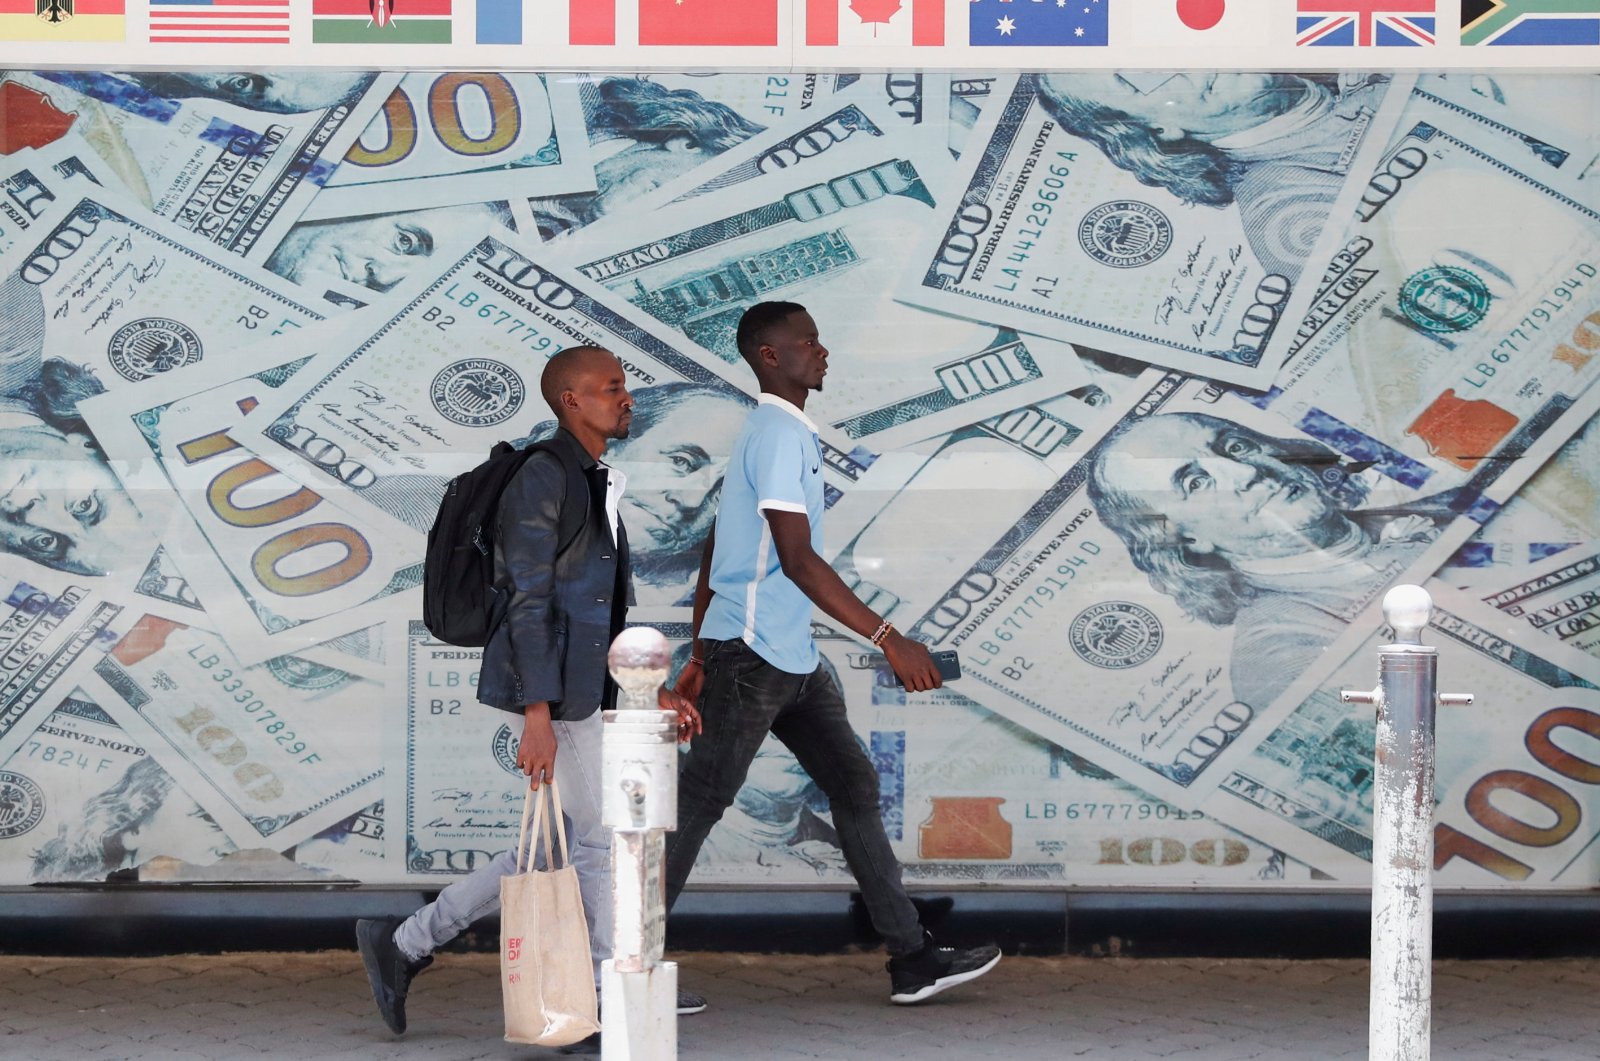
[
  {"x": 639, "y": 991},
  {"x": 1400, "y": 1003}
]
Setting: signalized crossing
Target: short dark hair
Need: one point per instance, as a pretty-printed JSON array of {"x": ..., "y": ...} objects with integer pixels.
[
  {"x": 559, "y": 372},
  {"x": 756, "y": 320}
]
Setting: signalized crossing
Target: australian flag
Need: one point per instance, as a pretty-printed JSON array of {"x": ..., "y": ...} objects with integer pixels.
[
  {"x": 1365, "y": 23},
  {"x": 1047, "y": 23}
]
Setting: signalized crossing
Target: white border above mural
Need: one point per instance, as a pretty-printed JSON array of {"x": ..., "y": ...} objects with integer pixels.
[{"x": 976, "y": 35}]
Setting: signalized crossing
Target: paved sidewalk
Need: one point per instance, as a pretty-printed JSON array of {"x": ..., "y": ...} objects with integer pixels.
[{"x": 785, "y": 1006}]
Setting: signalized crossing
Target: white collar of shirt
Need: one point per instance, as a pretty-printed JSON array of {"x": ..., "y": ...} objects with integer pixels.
[
  {"x": 789, "y": 407},
  {"x": 616, "y": 483}
]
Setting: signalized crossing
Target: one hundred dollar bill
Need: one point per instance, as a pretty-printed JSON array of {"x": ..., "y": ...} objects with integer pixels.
[
  {"x": 966, "y": 797},
  {"x": 98, "y": 296},
  {"x": 84, "y": 800},
  {"x": 364, "y": 653},
  {"x": 1515, "y": 772},
  {"x": 106, "y": 287},
  {"x": 392, "y": 408},
  {"x": 442, "y": 139},
  {"x": 1441, "y": 347},
  {"x": 352, "y": 848},
  {"x": 970, "y": 96},
  {"x": 32, "y": 179},
  {"x": 649, "y": 130},
  {"x": 833, "y": 240},
  {"x": 1559, "y": 598},
  {"x": 51, "y": 630},
  {"x": 1198, "y": 562},
  {"x": 1558, "y": 508},
  {"x": 1544, "y": 117},
  {"x": 231, "y": 157},
  {"x": 275, "y": 754},
  {"x": 454, "y": 794},
  {"x": 849, "y": 117},
  {"x": 277, "y": 568},
  {"x": 1123, "y": 211}
]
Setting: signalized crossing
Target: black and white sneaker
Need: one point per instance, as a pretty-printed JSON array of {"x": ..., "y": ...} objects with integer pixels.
[
  {"x": 388, "y": 970},
  {"x": 690, "y": 1003},
  {"x": 919, "y": 976}
]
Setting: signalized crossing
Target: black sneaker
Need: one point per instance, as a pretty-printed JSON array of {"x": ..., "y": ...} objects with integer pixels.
[
  {"x": 919, "y": 976},
  {"x": 388, "y": 971},
  {"x": 689, "y": 1004}
]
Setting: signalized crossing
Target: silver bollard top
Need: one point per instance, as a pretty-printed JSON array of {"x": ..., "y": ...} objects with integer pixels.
[
  {"x": 640, "y": 661},
  {"x": 1407, "y": 609}
]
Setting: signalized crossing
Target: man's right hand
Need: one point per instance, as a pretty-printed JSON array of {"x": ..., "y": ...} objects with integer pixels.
[
  {"x": 536, "y": 754},
  {"x": 912, "y": 662},
  {"x": 691, "y": 680}
]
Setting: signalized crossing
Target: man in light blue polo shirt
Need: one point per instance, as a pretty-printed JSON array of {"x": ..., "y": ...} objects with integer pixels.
[{"x": 755, "y": 668}]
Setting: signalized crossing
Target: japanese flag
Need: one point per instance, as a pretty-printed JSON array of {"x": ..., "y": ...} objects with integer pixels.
[{"x": 1203, "y": 23}]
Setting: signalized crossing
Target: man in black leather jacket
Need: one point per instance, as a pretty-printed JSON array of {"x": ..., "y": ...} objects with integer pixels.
[{"x": 561, "y": 603}]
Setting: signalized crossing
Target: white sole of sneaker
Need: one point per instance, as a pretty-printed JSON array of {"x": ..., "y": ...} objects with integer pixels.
[
  {"x": 689, "y": 1011},
  {"x": 922, "y": 994}
]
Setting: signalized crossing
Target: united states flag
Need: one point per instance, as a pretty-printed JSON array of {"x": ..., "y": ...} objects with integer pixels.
[
  {"x": 219, "y": 21},
  {"x": 1365, "y": 23}
]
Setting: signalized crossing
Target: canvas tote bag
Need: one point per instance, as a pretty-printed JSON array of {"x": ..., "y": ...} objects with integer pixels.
[{"x": 546, "y": 975}]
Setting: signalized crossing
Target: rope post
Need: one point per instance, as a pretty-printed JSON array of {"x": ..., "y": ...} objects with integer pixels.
[
  {"x": 639, "y": 991},
  {"x": 1400, "y": 1006}
]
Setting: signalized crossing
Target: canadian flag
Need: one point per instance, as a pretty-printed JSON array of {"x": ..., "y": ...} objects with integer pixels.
[
  {"x": 836, "y": 22},
  {"x": 744, "y": 23}
]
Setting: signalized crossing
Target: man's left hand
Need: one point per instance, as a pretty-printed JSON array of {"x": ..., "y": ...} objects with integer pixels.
[{"x": 688, "y": 717}]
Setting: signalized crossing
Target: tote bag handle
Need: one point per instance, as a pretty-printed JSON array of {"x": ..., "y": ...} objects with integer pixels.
[{"x": 534, "y": 803}]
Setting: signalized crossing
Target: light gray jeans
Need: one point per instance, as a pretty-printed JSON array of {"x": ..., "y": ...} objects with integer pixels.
[{"x": 478, "y": 894}]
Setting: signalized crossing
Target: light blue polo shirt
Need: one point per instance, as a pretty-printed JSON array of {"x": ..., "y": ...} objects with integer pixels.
[{"x": 776, "y": 465}]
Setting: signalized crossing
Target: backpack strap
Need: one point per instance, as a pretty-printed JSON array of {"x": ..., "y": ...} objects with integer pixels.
[{"x": 572, "y": 517}]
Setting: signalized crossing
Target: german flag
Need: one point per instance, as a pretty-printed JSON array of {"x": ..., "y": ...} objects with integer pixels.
[{"x": 61, "y": 20}]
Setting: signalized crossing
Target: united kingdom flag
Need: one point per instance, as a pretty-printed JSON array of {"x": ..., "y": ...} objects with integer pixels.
[{"x": 1365, "y": 23}]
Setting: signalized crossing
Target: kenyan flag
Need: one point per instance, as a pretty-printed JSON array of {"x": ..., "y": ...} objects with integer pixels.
[{"x": 380, "y": 21}]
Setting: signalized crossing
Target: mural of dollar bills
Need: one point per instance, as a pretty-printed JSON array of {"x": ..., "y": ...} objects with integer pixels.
[{"x": 1147, "y": 386}]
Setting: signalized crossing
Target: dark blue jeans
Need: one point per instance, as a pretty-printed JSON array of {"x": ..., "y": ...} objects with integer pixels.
[{"x": 744, "y": 698}]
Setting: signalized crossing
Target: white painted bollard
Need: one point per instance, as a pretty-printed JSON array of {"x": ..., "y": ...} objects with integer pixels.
[
  {"x": 639, "y": 991},
  {"x": 1400, "y": 1006}
]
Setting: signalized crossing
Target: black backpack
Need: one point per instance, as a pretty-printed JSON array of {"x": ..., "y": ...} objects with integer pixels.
[{"x": 458, "y": 571}]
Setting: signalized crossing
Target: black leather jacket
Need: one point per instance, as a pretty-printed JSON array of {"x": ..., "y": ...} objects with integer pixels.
[{"x": 560, "y": 611}]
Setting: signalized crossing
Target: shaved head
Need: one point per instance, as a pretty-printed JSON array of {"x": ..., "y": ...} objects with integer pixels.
[{"x": 564, "y": 368}]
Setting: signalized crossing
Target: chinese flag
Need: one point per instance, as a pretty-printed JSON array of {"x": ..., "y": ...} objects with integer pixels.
[{"x": 712, "y": 22}]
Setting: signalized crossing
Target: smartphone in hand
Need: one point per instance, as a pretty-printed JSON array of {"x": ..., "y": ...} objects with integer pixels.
[{"x": 949, "y": 665}]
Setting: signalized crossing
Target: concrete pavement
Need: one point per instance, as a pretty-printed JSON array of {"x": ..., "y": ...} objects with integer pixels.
[{"x": 212, "y": 1008}]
